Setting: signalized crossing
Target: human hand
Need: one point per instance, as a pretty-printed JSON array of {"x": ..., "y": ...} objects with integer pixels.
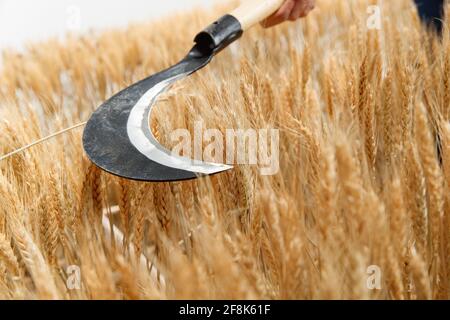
[{"x": 291, "y": 10}]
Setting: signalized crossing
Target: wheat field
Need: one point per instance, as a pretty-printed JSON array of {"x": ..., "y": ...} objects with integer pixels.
[{"x": 362, "y": 186}]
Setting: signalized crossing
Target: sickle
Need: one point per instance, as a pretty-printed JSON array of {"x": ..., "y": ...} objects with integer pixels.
[{"x": 118, "y": 138}]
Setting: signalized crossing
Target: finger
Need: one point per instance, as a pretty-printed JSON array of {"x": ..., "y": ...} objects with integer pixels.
[
  {"x": 281, "y": 15},
  {"x": 301, "y": 10},
  {"x": 297, "y": 11},
  {"x": 310, "y": 6}
]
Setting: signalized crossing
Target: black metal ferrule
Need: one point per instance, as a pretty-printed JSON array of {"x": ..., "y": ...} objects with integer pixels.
[{"x": 219, "y": 35}]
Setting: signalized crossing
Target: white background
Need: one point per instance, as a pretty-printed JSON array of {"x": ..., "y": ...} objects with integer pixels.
[{"x": 22, "y": 21}]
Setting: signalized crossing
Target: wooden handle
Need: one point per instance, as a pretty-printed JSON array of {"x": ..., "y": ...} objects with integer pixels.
[{"x": 252, "y": 12}]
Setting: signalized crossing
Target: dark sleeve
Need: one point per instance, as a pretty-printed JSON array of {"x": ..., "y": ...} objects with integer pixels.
[{"x": 431, "y": 12}]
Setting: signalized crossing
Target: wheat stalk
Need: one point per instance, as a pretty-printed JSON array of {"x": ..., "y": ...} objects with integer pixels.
[{"x": 360, "y": 114}]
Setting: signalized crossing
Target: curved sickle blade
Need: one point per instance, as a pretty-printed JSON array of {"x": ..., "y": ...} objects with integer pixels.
[{"x": 118, "y": 139}]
